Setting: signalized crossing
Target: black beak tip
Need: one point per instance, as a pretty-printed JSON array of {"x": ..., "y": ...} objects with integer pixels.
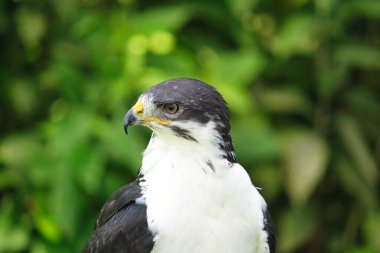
[
  {"x": 126, "y": 124},
  {"x": 129, "y": 120}
]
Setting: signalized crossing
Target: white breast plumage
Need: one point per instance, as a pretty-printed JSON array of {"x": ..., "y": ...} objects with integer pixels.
[{"x": 198, "y": 205}]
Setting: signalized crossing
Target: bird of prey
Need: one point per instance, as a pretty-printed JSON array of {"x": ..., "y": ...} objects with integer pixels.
[{"x": 191, "y": 195}]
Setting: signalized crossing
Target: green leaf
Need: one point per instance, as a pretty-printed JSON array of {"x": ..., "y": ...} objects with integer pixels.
[
  {"x": 18, "y": 150},
  {"x": 13, "y": 237},
  {"x": 48, "y": 228},
  {"x": 31, "y": 27},
  {"x": 355, "y": 144},
  {"x": 168, "y": 18},
  {"x": 296, "y": 36},
  {"x": 372, "y": 229},
  {"x": 357, "y": 55},
  {"x": 294, "y": 227},
  {"x": 241, "y": 6},
  {"x": 305, "y": 162},
  {"x": 254, "y": 141},
  {"x": 367, "y": 8},
  {"x": 239, "y": 68},
  {"x": 66, "y": 202},
  {"x": 38, "y": 247},
  {"x": 283, "y": 101},
  {"x": 351, "y": 181},
  {"x": 90, "y": 169}
]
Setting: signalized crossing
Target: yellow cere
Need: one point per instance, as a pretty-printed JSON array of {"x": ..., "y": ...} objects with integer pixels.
[{"x": 138, "y": 108}]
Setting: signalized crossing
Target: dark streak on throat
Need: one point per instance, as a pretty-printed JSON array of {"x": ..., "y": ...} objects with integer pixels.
[{"x": 183, "y": 133}]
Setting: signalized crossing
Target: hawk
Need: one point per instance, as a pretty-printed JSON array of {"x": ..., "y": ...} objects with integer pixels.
[{"x": 191, "y": 194}]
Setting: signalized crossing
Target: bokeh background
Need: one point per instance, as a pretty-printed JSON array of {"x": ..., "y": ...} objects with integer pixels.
[{"x": 302, "y": 79}]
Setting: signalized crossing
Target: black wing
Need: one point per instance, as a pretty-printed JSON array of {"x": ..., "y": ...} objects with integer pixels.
[
  {"x": 269, "y": 228},
  {"x": 122, "y": 225}
]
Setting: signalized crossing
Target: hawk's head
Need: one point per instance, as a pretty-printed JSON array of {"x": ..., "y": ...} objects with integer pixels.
[{"x": 184, "y": 108}]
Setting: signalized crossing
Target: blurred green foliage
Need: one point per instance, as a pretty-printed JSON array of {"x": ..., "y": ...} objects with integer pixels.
[{"x": 302, "y": 79}]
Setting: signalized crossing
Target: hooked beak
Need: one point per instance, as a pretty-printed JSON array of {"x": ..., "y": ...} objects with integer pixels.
[
  {"x": 133, "y": 116},
  {"x": 130, "y": 119}
]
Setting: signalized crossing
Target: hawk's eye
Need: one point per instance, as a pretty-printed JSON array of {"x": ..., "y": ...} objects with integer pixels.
[{"x": 171, "y": 108}]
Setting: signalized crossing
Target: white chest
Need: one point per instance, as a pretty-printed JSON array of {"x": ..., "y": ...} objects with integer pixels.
[{"x": 193, "y": 209}]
